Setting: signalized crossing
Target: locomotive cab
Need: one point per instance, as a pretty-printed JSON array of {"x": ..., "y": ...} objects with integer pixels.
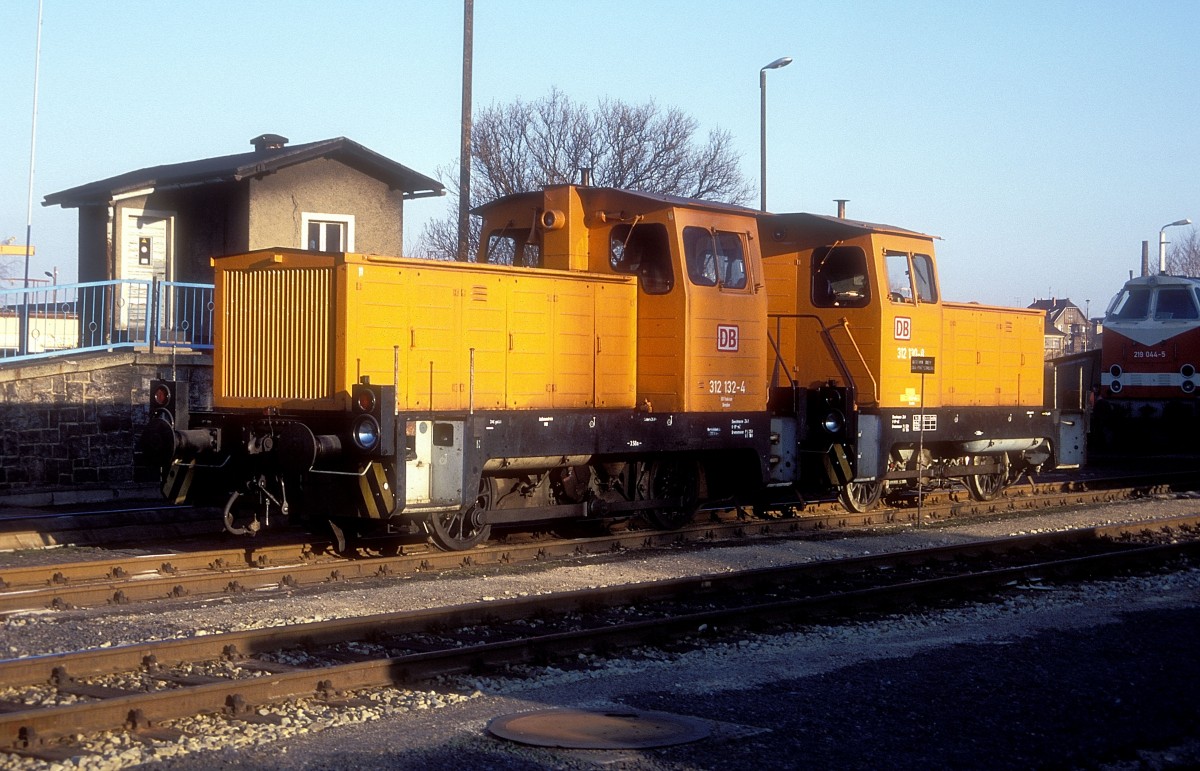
[
  {"x": 701, "y": 300},
  {"x": 934, "y": 390}
]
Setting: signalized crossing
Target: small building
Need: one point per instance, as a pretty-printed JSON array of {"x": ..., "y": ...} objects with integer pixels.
[
  {"x": 1068, "y": 330},
  {"x": 167, "y": 221}
]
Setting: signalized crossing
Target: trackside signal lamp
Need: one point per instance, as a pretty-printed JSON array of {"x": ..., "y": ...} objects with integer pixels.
[
  {"x": 162, "y": 395},
  {"x": 830, "y": 406},
  {"x": 168, "y": 401},
  {"x": 834, "y": 422},
  {"x": 373, "y": 422},
  {"x": 167, "y": 434},
  {"x": 366, "y": 432}
]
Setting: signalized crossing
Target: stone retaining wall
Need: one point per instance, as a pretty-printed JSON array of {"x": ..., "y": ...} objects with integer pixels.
[{"x": 72, "y": 425}]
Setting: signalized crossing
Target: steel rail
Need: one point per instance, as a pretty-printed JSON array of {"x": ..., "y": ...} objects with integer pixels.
[
  {"x": 290, "y": 566},
  {"x": 27, "y": 729}
]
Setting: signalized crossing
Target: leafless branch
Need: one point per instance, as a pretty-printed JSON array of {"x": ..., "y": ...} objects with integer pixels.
[
  {"x": 1183, "y": 254},
  {"x": 525, "y": 145}
]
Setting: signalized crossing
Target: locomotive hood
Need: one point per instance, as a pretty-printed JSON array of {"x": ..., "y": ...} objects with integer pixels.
[{"x": 1151, "y": 309}]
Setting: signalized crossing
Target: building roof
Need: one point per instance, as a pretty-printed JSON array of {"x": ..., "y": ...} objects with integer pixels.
[
  {"x": 1053, "y": 304},
  {"x": 271, "y": 154},
  {"x": 1050, "y": 329}
]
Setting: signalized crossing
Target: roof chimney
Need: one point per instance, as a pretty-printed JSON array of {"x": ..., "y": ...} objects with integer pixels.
[
  {"x": 264, "y": 142},
  {"x": 841, "y": 202}
]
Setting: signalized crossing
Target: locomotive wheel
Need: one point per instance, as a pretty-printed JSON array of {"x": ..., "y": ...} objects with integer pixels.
[
  {"x": 861, "y": 497},
  {"x": 985, "y": 487},
  {"x": 461, "y": 529},
  {"x": 674, "y": 480}
]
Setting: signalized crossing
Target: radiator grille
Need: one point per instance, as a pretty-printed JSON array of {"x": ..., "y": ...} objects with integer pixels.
[{"x": 278, "y": 337}]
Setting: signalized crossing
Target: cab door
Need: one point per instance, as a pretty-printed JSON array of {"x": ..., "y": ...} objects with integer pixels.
[
  {"x": 727, "y": 308},
  {"x": 913, "y": 315}
]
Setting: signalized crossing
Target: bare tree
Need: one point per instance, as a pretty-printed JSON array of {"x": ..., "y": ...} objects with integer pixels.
[
  {"x": 525, "y": 145},
  {"x": 439, "y": 237},
  {"x": 1183, "y": 255}
]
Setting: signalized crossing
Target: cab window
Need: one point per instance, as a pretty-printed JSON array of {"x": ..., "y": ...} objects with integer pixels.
[
  {"x": 922, "y": 268},
  {"x": 714, "y": 258},
  {"x": 508, "y": 246},
  {"x": 839, "y": 276},
  {"x": 643, "y": 250},
  {"x": 1175, "y": 303},
  {"x": 1131, "y": 304},
  {"x": 899, "y": 283},
  {"x": 907, "y": 273}
]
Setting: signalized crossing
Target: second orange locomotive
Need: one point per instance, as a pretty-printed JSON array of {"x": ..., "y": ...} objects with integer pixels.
[{"x": 611, "y": 353}]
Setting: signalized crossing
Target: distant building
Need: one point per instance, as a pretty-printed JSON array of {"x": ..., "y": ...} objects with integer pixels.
[
  {"x": 168, "y": 221},
  {"x": 1068, "y": 329}
]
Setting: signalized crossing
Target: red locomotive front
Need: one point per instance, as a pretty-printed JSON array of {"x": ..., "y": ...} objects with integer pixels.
[{"x": 1149, "y": 360}]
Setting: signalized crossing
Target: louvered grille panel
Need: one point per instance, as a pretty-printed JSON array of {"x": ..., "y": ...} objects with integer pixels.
[{"x": 279, "y": 336}]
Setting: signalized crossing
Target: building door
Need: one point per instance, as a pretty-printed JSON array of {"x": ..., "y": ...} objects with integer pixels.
[{"x": 147, "y": 253}]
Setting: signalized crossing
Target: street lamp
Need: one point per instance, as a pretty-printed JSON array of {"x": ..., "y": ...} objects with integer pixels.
[
  {"x": 783, "y": 61},
  {"x": 1162, "y": 242}
]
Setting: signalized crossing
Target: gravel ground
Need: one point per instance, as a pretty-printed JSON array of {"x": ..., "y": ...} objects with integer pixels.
[{"x": 1064, "y": 677}]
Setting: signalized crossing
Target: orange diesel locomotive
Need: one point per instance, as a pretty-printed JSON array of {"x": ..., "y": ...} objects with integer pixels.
[{"x": 610, "y": 353}]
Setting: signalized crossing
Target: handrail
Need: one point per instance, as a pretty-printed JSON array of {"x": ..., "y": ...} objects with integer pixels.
[
  {"x": 49, "y": 321},
  {"x": 844, "y": 323},
  {"x": 834, "y": 350}
]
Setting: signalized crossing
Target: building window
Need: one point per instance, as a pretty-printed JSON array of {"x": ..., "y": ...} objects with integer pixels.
[{"x": 327, "y": 232}]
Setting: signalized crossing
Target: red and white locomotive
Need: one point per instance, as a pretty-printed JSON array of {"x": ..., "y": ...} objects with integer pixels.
[{"x": 1149, "y": 364}]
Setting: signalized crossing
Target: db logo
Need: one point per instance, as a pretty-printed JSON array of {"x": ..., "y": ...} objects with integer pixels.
[
  {"x": 903, "y": 328},
  {"x": 727, "y": 337}
]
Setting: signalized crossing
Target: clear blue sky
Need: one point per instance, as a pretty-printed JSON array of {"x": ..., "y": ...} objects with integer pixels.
[{"x": 1043, "y": 141}]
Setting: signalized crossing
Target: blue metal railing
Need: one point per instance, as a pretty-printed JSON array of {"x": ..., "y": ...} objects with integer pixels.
[
  {"x": 46, "y": 321},
  {"x": 185, "y": 315}
]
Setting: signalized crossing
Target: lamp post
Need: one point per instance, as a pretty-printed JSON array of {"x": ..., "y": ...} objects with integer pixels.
[
  {"x": 1162, "y": 242},
  {"x": 23, "y": 346},
  {"x": 783, "y": 61},
  {"x": 464, "y": 145}
]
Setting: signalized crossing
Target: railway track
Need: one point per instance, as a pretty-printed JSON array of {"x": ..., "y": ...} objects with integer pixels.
[
  {"x": 24, "y": 528},
  {"x": 257, "y": 565},
  {"x": 142, "y": 687}
]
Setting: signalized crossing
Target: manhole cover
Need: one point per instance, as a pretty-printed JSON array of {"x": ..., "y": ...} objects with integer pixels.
[{"x": 598, "y": 730}]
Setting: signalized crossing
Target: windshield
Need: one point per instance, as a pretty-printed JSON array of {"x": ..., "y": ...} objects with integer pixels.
[
  {"x": 1174, "y": 303},
  {"x": 1131, "y": 304}
]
